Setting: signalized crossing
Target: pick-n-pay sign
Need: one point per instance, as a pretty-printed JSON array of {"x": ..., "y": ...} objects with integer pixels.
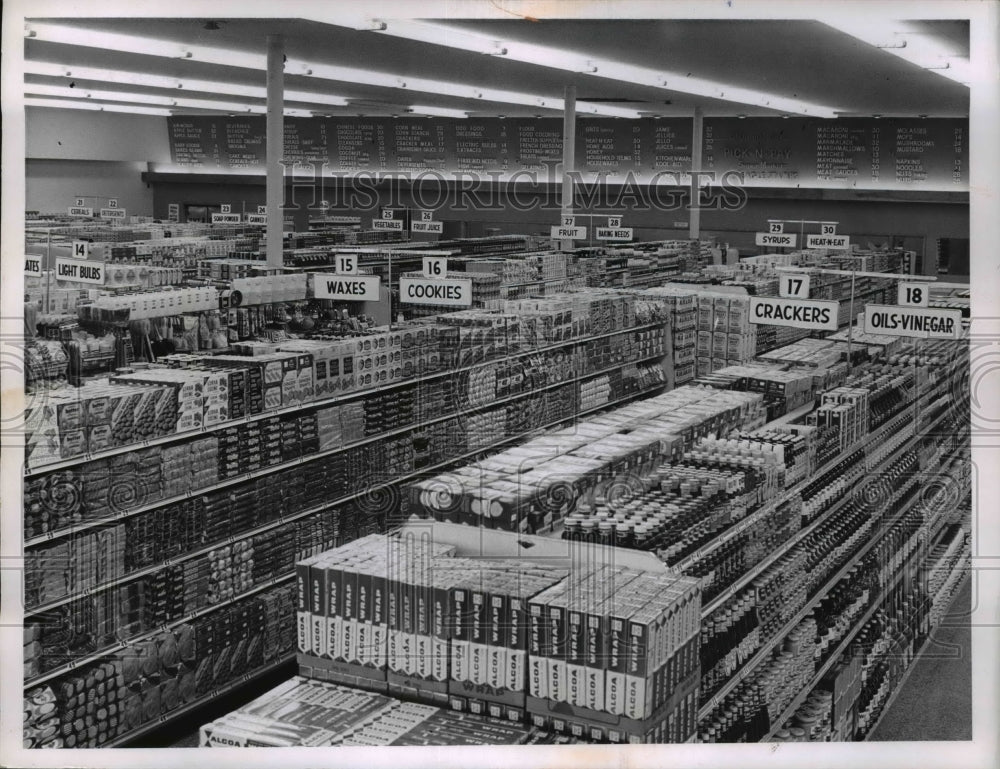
[
  {"x": 346, "y": 288},
  {"x": 814, "y": 314}
]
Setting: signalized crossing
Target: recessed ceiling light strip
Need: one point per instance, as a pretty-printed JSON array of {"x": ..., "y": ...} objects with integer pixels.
[{"x": 76, "y": 104}]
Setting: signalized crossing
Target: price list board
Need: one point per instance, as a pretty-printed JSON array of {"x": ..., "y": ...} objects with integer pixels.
[{"x": 767, "y": 152}]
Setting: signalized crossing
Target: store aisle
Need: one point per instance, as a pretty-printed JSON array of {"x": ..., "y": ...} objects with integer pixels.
[{"x": 935, "y": 702}]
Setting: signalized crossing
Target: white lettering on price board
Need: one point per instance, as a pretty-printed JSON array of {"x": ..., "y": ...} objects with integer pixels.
[
  {"x": 386, "y": 224},
  {"x": 571, "y": 233},
  {"x": 354, "y": 288},
  {"x": 33, "y": 266},
  {"x": 435, "y": 266},
  {"x": 112, "y": 213},
  {"x": 912, "y": 295},
  {"x": 226, "y": 218},
  {"x": 613, "y": 233},
  {"x": 256, "y": 218},
  {"x": 916, "y": 322},
  {"x": 435, "y": 228},
  {"x": 79, "y": 271},
  {"x": 777, "y": 241},
  {"x": 80, "y": 211},
  {"x": 838, "y": 242},
  {"x": 80, "y": 249},
  {"x": 449, "y": 292},
  {"x": 794, "y": 286},
  {"x": 815, "y": 314},
  {"x": 346, "y": 264}
]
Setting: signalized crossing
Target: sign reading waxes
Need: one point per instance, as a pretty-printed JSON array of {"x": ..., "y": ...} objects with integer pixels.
[
  {"x": 79, "y": 271},
  {"x": 814, "y": 314},
  {"x": 32, "y": 266},
  {"x": 387, "y": 221},
  {"x": 913, "y": 322}
]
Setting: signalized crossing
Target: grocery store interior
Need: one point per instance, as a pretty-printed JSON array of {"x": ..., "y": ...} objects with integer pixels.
[{"x": 501, "y": 380}]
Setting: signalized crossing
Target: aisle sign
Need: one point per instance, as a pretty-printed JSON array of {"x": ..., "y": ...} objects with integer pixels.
[
  {"x": 890, "y": 320},
  {"x": 256, "y": 218},
  {"x": 112, "y": 202},
  {"x": 346, "y": 287},
  {"x": 613, "y": 233},
  {"x": 778, "y": 240},
  {"x": 261, "y": 209},
  {"x": 828, "y": 229},
  {"x": 225, "y": 208},
  {"x": 427, "y": 224},
  {"x": 448, "y": 292},
  {"x": 838, "y": 242},
  {"x": 387, "y": 224},
  {"x": 775, "y": 228},
  {"x": 79, "y": 202},
  {"x": 813, "y": 314},
  {"x": 32, "y": 266},
  {"x": 174, "y": 212},
  {"x": 346, "y": 264},
  {"x": 112, "y": 213},
  {"x": 79, "y": 271},
  {"x": 80, "y": 211},
  {"x": 912, "y": 295},
  {"x": 225, "y": 218},
  {"x": 435, "y": 266},
  {"x": 794, "y": 286},
  {"x": 569, "y": 232},
  {"x": 80, "y": 250}
]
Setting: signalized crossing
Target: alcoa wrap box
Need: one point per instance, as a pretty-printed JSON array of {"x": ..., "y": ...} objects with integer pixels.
[{"x": 571, "y": 636}]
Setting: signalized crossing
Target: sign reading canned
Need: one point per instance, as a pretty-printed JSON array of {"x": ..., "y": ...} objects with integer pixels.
[
  {"x": 815, "y": 314},
  {"x": 112, "y": 213},
  {"x": 226, "y": 218},
  {"x": 256, "y": 218},
  {"x": 838, "y": 242},
  {"x": 347, "y": 288},
  {"x": 912, "y": 295},
  {"x": 613, "y": 233},
  {"x": 779, "y": 240},
  {"x": 33, "y": 266},
  {"x": 448, "y": 292},
  {"x": 913, "y": 321},
  {"x": 794, "y": 286},
  {"x": 79, "y": 271},
  {"x": 571, "y": 232},
  {"x": 80, "y": 211}
]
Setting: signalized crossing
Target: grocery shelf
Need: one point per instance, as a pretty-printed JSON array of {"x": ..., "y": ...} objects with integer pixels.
[
  {"x": 270, "y": 469},
  {"x": 34, "y": 470}
]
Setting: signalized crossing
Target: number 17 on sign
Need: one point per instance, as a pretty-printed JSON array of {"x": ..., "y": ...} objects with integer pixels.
[{"x": 794, "y": 287}]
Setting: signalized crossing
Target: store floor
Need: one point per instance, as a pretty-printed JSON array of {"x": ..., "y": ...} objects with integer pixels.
[{"x": 935, "y": 701}]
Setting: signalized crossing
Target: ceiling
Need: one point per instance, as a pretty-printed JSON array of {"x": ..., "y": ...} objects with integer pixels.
[{"x": 744, "y": 67}]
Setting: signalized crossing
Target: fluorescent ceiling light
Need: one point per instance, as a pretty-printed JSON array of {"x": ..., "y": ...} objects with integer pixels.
[
  {"x": 159, "y": 81},
  {"x": 438, "y": 111},
  {"x": 30, "y": 102},
  {"x": 163, "y": 101},
  {"x": 544, "y": 56},
  {"x": 911, "y": 43},
  {"x": 147, "y": 46}
]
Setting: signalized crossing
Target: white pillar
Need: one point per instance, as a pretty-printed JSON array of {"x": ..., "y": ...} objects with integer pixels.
[
  {"x": 694, "y": 216},
  {"x": 569, "y": 156},
  {"x": 275, "y": 148}
]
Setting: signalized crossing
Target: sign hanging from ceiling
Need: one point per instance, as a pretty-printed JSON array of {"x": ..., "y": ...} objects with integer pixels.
[
  {"x": 448, "y": 292},
  {"x": 913, "y": 322},
  {"x": 813, "y": 314},
  {"x": 780, "y": 240}
]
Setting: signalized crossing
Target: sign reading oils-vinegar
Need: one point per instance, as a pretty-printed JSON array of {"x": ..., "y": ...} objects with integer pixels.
[{"x": 913, "y": 322}]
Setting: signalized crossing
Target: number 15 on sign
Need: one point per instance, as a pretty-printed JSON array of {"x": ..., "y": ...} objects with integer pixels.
[{"x": 794, "y": 287}]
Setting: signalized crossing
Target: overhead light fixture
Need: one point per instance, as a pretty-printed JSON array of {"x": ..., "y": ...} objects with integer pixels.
[
  {"x": 94, "y": 107},
  {"x": 122, "y": 77},
  {"x": 544, "y": 56},
  {"x": 417, "y": 109},
  {"x": 146, "y": 46},
  {"x": 909, "y": 42}
]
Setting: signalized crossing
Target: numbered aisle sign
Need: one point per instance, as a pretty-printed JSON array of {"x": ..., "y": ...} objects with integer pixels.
[
  {"x": 80, "y": 271},
  {"x": 79, "y": 202},
  {"x": 913, "y": 322},
  {"x": 912, "y": 295},
  {"x": 346, "y": 287},
  {"x": 346, "y": 264},
  {"x": 225, "y": 218},
  {"x": 836, "y": 242},
  {"x": 387, "y": 221},
  {"x": 776, "y": 239},
  {"x": 112, "y": 202},
  {"x": 828, "y": 229},
  {"x": 435, "y": 266},
  {"x": 614, "y": 230},
  {"x": 225, "y": 208},
  {"x": 261, "y": 209},
  {"x": 81, "y": 248},
  {"x": 794, "y": 286},
  {"x": 567, "y": 230},
  {"x": 32, "y": 266},
  {"x": 80, "y": 211},
  {"x": 425, "y": 223},
  {"x": 256, "y": 218},
  {"x": 776, "y": 228},
  {"x": 112, "y": 213}
]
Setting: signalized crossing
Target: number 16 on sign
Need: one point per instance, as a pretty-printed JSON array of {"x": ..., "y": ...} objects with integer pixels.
[{"x": 794, "y": 287}]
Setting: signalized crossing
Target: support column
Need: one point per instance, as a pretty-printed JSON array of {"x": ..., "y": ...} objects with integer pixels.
[
  {"x": 275, "y": 149},
  {"x": 569, "y": 156},
  {"x": 694, "y": 215}
]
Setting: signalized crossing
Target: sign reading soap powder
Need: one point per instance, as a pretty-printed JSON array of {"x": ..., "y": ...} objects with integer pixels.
[{"x": 79, "y": 271}]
